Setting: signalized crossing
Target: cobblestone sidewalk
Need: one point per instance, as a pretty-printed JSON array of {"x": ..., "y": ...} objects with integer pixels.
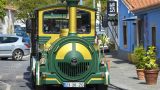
[{"x": 123, "y": 75}]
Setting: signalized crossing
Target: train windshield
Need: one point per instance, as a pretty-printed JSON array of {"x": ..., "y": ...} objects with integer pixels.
[{"x": 57, "y": 19}]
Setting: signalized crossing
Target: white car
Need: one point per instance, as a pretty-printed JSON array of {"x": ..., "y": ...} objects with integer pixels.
[{"x": 12, "y": 46}]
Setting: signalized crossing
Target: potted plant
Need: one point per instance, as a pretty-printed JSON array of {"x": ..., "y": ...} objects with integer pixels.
[
  {"x": 151, "y": 67},
  {"x": 139, "y": 53},
  {"x": 103, "y": 41}
]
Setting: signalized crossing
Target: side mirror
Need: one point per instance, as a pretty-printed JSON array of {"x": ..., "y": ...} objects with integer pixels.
[
  {"x": 105, "y": 21},
  {"x": 29, "y": 25}
]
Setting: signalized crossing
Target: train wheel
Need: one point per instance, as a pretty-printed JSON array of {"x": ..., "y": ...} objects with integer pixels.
[
  {"x": 35, "y": 87},
  {"x": 33, "y": 81},
  {"x": 38, "y": 87},
  {"x": 101, "y": 87},
  {"x": 91, "y": 87}
]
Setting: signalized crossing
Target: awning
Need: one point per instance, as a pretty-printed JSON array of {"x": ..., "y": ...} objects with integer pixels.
[{"x": 130, "y": 18}]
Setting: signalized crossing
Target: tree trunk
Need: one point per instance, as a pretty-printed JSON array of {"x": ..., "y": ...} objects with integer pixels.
[{"x": 1, "y": 26}]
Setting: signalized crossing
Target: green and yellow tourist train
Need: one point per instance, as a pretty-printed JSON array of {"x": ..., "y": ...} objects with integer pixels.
[{"x": 64, "y": 52}]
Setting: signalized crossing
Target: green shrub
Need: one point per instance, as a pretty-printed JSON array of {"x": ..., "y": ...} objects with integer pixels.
[
  {"x": 150, "y": 59},
  {"x": 139, "y": 53}
]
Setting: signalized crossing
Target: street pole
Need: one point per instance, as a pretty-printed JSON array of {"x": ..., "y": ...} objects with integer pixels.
[
  {"x": 99, "y": 13},
  {"x": 94, "y": 3},
  {"x": 81, "y": 2}
]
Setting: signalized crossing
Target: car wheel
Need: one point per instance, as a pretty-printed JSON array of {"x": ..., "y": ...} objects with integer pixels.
[
  {"x": 4, "y": 58},
  {"x": 17, "y": 55}
]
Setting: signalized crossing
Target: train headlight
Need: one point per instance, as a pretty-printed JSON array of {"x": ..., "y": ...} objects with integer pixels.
[
  {"x": 42, "y": 60},
  {"x": 102, "y": 63}
]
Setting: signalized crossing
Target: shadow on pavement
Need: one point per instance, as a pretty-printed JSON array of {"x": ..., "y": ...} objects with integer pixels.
[
  {"x": 115, "y": 87},
  {"x": 114, "y": 54},
  {"x": 142, "y": 83},
  {"x": 12, "y": 60},
  {"x": 134, "y": 78},
  {"x": 27, "y": 77},
  {"x": 120, "y": 62}
]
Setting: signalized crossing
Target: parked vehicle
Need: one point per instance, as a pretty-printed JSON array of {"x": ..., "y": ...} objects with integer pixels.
[
  {"x": 21, "y": 31},
  {"x": 23, "y": 34},
  {"x": 69, "y": 56},
  {"x": 12, "y": 46}
]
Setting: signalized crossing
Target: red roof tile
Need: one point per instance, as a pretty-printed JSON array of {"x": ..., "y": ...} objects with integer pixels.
[{"x": 135, "y": 5}]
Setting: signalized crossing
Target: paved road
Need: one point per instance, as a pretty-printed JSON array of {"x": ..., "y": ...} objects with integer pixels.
[{"x": 14, "y": 75}]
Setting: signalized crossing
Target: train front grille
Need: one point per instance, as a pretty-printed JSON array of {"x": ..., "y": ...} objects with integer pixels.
[{"x": 73, "y": 71}]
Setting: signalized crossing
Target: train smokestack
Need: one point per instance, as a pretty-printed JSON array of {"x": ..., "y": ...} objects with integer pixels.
[{"x": 72, "y": 4}]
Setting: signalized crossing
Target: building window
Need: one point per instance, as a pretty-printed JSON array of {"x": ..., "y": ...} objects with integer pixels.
[
  {"x": 139, "y": 34},
  {"x": 140, "y": 31},
  {"x": 153, "y": 36},
  {"x": 125, "y": 35}
]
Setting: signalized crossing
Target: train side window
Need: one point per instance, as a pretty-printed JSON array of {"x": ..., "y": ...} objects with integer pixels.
[
  {"x": 83, "y": 22},
  {"x": 57, "y": 19},
  {"x": 54, "y": 21}
]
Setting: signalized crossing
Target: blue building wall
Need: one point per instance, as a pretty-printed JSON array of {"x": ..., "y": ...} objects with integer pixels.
[
  {"x": 124, "y": 13},
  {"x": 150, "y": 18}
]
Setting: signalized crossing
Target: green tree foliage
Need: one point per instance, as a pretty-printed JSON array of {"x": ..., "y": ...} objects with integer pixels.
[
  {"x": 2, "y": 9},
  {"x": 104, "y": 5},
  {"x": 150, "y": 59},
  {"x": 25, "y": 8},
  {"x": 139, "y": 53},
  {"x": 89, "y": 3}
]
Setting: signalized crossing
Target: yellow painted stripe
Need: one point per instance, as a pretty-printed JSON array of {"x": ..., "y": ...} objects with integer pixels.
[
  {"x": 52, "y": 79},
  {"x": 40, "y": 30},
  {"x": 63, "y": 51},
  {"x": 40, "y": 23},
  {"x": 95, "y": 79},
  {"x": 56, "y": 36},
  {"x": 84, "y": 51},
  {"x": 72, "y": 20}
]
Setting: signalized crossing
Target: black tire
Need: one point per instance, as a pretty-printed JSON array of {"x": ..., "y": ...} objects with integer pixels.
[
  {"x": 33, "y": 80},
  {"x": 17, "y": 55},
  {"x": 30, "y": 63},
  {"x": 101, "y": 87},
  {"x": 4, "y": 58},
  {"x": 39, "y": 87}
]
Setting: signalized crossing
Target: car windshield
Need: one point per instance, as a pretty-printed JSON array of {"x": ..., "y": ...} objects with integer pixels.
[{"x": 8, "y": 39}]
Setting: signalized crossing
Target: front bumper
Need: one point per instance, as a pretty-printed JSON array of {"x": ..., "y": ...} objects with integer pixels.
[{"x": 53, "y": 79}]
